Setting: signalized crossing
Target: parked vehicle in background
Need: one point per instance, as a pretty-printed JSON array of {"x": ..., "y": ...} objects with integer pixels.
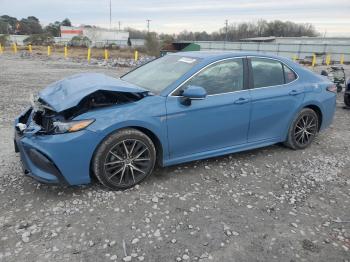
[
  {"x": 337, "y": 75},
  {"x": 347, "y": 94},
  {"x": 178, "y": 108}
]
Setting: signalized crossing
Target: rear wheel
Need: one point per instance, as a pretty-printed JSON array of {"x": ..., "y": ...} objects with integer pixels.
[
  {"x": 124, "y": 159},
  {"x": 303, "y": 129},
  {"x": 347, "y": 99}
]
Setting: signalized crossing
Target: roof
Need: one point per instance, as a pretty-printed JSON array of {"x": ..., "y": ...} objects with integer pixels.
[
  {"x": 211, "y": 56},
  {"x": 220, "y": 54}
]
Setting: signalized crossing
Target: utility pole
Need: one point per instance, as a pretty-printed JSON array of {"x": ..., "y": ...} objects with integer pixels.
[
  {"x": 119, "y": 23},
  {"x": 148, "y": 24},
  {"x": 226, "y": 29},
  {"x": 110, "y": 14}
]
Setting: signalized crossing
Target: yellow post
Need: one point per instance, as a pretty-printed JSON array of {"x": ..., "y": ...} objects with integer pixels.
[
  {"x": 65, "y": 51},
  {"x": 48, "y": 50},
  {"x": 30, "y": 49},
  {"x": 313, "y": 60},
  {"x": 14, "y": 48},
  {"x": 106, "y": 54},
  {"x": 1, "y": 51},
  {"x": 342, "y": 59},
  {"x": 89, "y": 54},
  {"x": 328, "y": 60},
  {"x": 136, "y": 56},
  {"x": 295, "y": 57}
]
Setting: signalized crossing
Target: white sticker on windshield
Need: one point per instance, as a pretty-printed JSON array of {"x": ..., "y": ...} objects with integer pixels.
[{"x": 187, "y": 60}]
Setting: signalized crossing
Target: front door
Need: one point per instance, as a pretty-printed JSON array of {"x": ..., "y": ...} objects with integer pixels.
[{"x": 218, "y": 121}]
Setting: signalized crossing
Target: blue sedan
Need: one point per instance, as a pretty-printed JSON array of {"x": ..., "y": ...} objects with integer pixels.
[{"x": 178, "y": 108}]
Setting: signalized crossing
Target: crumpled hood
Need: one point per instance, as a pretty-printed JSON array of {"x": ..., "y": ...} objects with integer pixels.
[{"x": 68, "y": 92}]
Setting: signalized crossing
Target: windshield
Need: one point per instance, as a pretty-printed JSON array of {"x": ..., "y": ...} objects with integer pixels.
[{"x": 160, "y": 73}]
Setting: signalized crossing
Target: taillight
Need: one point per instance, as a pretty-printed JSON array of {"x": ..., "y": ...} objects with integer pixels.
[{"x": 332, "y": 88}]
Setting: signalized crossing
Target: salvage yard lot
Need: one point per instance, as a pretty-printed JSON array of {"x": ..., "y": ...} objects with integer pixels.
[{"x": 269, "y": 204}]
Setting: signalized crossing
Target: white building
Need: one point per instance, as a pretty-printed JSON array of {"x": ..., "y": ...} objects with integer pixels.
[{"x": 98, "y": 36}]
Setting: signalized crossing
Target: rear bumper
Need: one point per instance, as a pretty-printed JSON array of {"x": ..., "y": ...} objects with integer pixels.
[
  {"x": 55, "y": 159},
  {"x": 328, "y": 111}
]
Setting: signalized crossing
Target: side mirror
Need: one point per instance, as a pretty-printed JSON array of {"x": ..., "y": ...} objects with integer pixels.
[{"x": 193, "y": 93}]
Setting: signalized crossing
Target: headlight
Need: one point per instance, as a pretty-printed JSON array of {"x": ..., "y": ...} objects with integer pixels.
[{"x": 71, "y": 126}]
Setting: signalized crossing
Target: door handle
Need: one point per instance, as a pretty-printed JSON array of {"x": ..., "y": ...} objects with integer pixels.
[
  {"x": 294, "y": 92},
  {"x": 241, "y": 100}
]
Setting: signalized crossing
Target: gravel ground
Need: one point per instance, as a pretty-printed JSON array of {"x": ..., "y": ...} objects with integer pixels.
[{"x": 269, "y": 204}]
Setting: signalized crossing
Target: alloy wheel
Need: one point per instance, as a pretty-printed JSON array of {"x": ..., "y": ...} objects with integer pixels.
[
  {"x": 128, "y": 162},
  {"x": 305, "y": 129}
]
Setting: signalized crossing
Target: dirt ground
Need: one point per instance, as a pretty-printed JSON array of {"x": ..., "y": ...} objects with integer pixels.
[{"x": 269, "y": 204}]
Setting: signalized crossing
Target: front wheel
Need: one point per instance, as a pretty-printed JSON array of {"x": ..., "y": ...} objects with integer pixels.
[
  {"x": 124, "y": 159},
  {"x": 303, "y": 129}
]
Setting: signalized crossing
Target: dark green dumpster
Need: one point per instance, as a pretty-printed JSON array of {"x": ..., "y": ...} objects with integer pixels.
[{"x": 179, "y": 46}]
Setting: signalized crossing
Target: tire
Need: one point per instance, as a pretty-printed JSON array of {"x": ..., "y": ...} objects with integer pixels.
[
  {"x": 339, "y": 88},
  {"x": 124, "y": 159},
  {"x": 347, "y": 99},
  {"x": 300, "y": 137}
]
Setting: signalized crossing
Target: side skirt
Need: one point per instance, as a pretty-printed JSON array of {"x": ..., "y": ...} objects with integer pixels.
[{"x": 221, "y": 151}]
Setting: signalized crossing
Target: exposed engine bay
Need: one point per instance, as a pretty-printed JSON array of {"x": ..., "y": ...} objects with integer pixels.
[{"x": 45, "y": 116}]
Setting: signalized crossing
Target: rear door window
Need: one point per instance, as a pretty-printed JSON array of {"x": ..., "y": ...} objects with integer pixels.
[{"x": 267, "y": 72}]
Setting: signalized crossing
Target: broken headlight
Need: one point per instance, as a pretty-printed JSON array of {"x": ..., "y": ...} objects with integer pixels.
[{"x": 71, "y": 126}]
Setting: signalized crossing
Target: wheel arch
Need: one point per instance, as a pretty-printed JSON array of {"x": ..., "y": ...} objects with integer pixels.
[
  {"x": 318, "y": 111},
  {"x": 155, "y": 139}
]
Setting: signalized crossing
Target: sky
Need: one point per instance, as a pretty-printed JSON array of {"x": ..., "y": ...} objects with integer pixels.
[{"x": 330, "y": 17}]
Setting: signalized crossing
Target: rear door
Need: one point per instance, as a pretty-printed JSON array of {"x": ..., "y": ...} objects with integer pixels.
[{"x": 275, "y": 96}]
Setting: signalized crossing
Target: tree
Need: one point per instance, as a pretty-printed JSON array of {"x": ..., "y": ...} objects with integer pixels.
[
  {"x": 152, "y": 44},
  {"x": 29, "y": 25},
  {"x": 166, "y": 39},
  {"x": 260, "y": 28},
  {"x": 66, "y": 22},
  {"x": 53, "y": 29},
  {"x": 39, "y": 39},
  {"x": 136, "y": 34},
  {"x": 3, "y": 39},
  {"x": 80, "y": 41},
  {"x": 8, "y": 24}
]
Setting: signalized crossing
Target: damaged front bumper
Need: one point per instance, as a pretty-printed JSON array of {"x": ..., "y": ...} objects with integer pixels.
[{"x": 54, "y": 159}]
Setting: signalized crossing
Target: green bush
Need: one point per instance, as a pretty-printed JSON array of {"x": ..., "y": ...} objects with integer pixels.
[
  {"x": 152, "y": 44},
  {"x": 4, "y": 39},
  {"x": 80, "y": 41},
  {"x": 39, "y": 39}
]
